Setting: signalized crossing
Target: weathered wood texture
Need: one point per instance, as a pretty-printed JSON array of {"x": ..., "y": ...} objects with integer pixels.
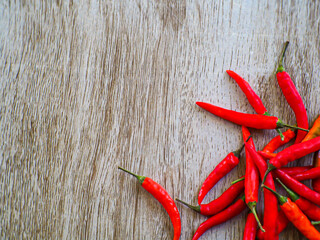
[{"x": 90, "y": 85}]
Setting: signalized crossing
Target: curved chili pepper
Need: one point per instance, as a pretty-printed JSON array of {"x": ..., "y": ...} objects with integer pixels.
[
  {"x": 252, "y": 97},
  {"x": 296, "y": 216},
  {"x": 309, "y": 208},
  {"x": 159, "y": 193},
  {"x": 245, "y": 119},
  {"x": 275, "y": 143},
  {"x": 295, "y": 170},
  {"x": 222, "y": 169},
  {"x": 313, "y": 173},
  {"x": 270, "y": 201},
  {"x": 292, "y": 96},
  {"x": 251, "y": 184},
  {"x": 316, "y": 163},
  {"x": 282, "y": 223},
  {"x": 298, "y": 187},
  {"x": 220, "y": 203},
  {"x": 221, "y": 217},
  {"x": 314, "y": 131},
  {"x": 292, "y": 153},
  {"x": 250, "y": 230}
]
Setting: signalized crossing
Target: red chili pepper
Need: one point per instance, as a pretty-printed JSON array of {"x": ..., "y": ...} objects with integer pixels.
[
  {"x": 251, "y": 188},
  {"x": 221, "y": 217},
  {"x": 159, "y": 193},
  {"x": 293, "y": 97},
  {"x": 270, "y": 201},
  {"x": 298, "y": 187},
  {"x": 282, "y": 223},
  {"x": 296, "y": 216},
  {"x": 222, "y": 169},
  {"x": 314, "y": 131},
  {"x": 275, "y": 143},
  {"x": 293, "y": 152},
  {"x": 250, "y": 230},
  {"x": 295, "y": 170},
  {"x": 316, "y": 163},
  {"x": 310, "y": 174},
  {"x": 245, "y": 119},
  {"x": 309, "y": 208},
  {"x": 252, "y": 97},
  {"x": 220, "y": 203}
]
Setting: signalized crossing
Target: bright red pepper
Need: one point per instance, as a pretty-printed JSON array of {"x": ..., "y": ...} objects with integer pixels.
[
  {"x": 296, "y": 216},
  {"x": 250, "y": 230},
  {"x": 314, "y": 131},
  {"x": 245, "y": 119},
  {"x": 298, "y": 187},
  {"x": 295, "y": 170},
  {"x": 275, "y": 143},
  {"x": 270, "y": 201},
  {"x": 222, "y": 169},
  {"x": 309, "y": 208},
  {"x": 293, "y": 97},
  {"x": 251, "y": 178},
  {"x": 159, "y": 193},
  {"x": 282, "y": 223},
  {"x": 293, "y": 152},
  {"x": 316, "y": 163},
  {"x": 313, "y": 173},
  {"x": 252, "y": 97},
  {"x": 221, "y": 202},
  {"x": 221, "y": 217}
]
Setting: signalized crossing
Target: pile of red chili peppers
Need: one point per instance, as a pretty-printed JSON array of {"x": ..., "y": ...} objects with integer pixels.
[{"x": 301, "y": 208}]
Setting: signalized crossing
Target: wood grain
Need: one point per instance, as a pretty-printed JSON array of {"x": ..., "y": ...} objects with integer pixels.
[{"x": 89, "y": 85}]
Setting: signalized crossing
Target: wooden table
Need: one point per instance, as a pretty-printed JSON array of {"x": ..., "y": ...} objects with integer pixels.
[{"x": 87, "y": 86}]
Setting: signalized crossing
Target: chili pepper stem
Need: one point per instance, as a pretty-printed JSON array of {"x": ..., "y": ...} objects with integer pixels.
[
  {"x": 315, "y": 222},
  {"x": 252, "y": 206},
  {"x": 270, "y": 168},
  {"x": 195, "y": 208},
  {"x": 294, "y": 127},
  {"x": 282, "y": 199},
  {"x": 280, "y": 66},
  {"x": 238, "y": 180},
  {"x": 140, "y": 178},
  {"x": 280, "y": 133},
  {"x": 294, "y": 197}
]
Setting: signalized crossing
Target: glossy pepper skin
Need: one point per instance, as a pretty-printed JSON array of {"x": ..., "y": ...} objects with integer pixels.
[
  {"x": 295, "y": 170},
  {"x": 221, "y": 202},
  {"x": 282, "y": 223},
  {"x": 293, "y": 97},
  {"x": 275, "y": 143},
  {"x": 293, "y": 153},
  {"x": 298, "y": 187},
  {"x": 251, "y": 178},
  {"x": 250, "y": 229},
  {"x": 314, "y": 131},
  {"x": 159, "y": 193},
  {"x": 296, "y": 216},
  {"x": 309, "y": 208},
  {"x": 230, "y": 212},
  {"x": 316, "y": 162},
  {"x": 270, "y": 201},
  {"x": 313, "y": 173},
  {"x": 222, "y": 169},
  {"x": 252, "y": 97}
]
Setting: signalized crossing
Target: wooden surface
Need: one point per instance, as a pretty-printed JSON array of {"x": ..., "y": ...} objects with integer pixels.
[{"x": 90, "y": 85}]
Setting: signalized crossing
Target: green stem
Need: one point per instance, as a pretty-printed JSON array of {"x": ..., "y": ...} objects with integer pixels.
[
  {"x": 195, "y": 208},
  {"x": 270, "y": 168},
  {"x": 252, "y": 206},
  {"x": 140, "y": 178},
  {"x": 280, "y": 133},
  {"x": 315, "y": 222},
  {"x": 294, "y": 197},
  {"x": 282, "y": 199},
  {"x": 238, "y": 180},
  {"x": 295, "y": 127},
  {"x": 280, "y": 65}
]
